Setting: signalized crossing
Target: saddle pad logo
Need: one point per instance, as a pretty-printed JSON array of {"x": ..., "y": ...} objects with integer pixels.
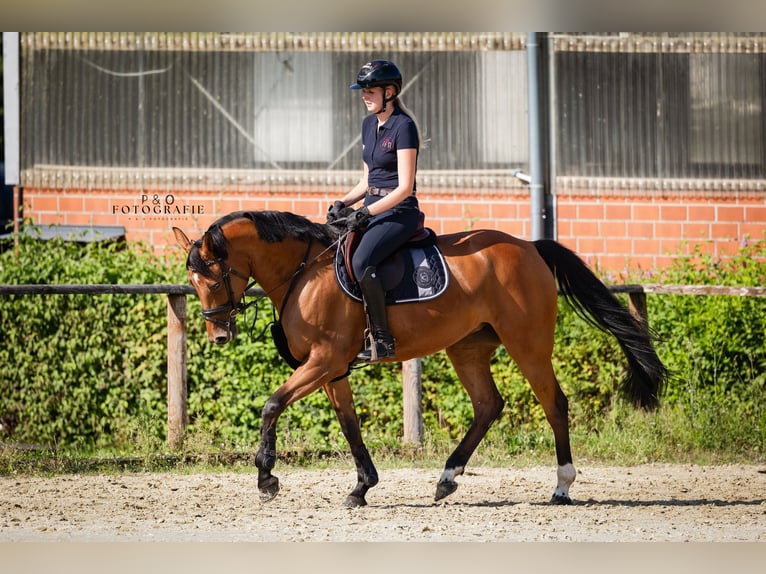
[{"x": 424, "y": 277}]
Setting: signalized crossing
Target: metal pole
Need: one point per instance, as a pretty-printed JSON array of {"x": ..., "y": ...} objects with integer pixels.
[
  {"x": 11, "y": 113},
  {"x": 11, "y": 106},
  {"x": 551, "y": 229},
  {"x": 536, "y": 187}
]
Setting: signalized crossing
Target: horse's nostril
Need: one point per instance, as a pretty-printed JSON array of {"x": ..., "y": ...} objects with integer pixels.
[{"x": 221, "y": 339}]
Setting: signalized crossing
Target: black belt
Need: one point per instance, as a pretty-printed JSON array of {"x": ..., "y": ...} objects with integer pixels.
[{"x": 379, "y": 191}]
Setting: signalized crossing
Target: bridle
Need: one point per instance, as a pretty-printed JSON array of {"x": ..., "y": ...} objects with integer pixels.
[{"x": 231, "y": 307}]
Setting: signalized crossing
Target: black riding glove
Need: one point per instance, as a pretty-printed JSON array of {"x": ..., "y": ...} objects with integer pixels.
[
  {"x": 358, "y": 219},
  {"x": 335, "y": 211}
]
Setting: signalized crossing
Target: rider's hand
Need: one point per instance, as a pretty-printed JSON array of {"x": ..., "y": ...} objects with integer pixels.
[
  {"x": 358, "y": 219},
  {"x": 334, "y": 212}
]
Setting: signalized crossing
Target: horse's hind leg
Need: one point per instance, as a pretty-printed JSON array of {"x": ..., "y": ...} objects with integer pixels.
[
  {"x": 471, "y": 359},
  {"x": 556, "y": 407},
  {"x": 339, "y": 393},
  {"x": 528, "y": 335}
]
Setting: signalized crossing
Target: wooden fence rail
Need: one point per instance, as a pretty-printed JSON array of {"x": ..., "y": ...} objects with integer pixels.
[{"x": 411, "y": 370}]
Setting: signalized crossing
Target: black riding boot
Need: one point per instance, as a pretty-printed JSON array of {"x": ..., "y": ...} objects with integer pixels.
[{"x": 381, "y": 344}]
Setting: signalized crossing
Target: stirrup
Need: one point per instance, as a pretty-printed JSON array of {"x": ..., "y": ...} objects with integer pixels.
[{"x": 378, "y": 347}]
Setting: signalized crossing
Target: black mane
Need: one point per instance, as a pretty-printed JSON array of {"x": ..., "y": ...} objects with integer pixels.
[{"x": 272, "y": 227}]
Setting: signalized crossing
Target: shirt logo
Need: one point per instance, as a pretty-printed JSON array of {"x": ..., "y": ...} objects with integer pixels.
[{"x": 387, "y": 144}]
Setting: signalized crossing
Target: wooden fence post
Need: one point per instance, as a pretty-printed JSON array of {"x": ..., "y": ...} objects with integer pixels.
[
  {"x": 637, "y": 306},
  {"x": 177, "y": 390},
  {"x": 412, "y": 371}
]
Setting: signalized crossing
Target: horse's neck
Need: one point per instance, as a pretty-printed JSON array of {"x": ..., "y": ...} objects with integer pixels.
[{"x": 279, "y": 265}]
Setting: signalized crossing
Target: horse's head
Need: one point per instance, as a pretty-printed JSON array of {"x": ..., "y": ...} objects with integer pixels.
[{"x": 219, "y": 286}]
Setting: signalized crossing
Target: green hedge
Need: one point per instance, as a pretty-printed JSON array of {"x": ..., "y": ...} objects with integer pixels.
[{"x": 89, "y": 372}]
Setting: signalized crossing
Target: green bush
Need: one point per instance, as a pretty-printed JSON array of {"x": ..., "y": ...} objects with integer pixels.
[
  {"x": 714, "y": 342},
  {"x": 78, "y": 370},
  {"x": 89, "y": 372}
]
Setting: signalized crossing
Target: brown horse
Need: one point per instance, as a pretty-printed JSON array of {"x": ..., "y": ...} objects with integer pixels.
[{"x": 502, "y": 291}]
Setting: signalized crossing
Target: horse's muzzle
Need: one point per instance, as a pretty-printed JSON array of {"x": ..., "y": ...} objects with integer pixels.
[
  {"x": 222, "y": 333},
  {"x": 222, "y": 339}
]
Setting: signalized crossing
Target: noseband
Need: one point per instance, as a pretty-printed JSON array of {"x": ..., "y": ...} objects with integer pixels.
[{"x": 231, "y": 307}]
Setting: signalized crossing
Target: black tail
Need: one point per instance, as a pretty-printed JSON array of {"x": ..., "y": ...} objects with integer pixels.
[{"x": 593, "y": 301}]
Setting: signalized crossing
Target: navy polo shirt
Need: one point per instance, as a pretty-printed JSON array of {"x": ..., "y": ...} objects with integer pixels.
[{"x": 380, "y": 145}]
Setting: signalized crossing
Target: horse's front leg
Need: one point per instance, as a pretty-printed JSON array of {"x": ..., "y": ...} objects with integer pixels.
[
  {"x": 266, "y": 457},
  {"x": 339, "y": 393},
  {"x": 304, "y": 381}
]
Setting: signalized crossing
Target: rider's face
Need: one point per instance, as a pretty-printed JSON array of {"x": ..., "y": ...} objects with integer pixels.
[{"x": 373, "y": 99}]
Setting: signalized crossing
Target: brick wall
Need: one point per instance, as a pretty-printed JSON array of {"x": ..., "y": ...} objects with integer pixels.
[
  {"x": 614, "y": 231},
  {"x": 645, "y": 230}
]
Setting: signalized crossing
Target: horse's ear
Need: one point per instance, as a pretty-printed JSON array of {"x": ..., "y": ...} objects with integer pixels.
[
  {"x": 182, "y": 240},
  {"x": 207, "y": 243}
]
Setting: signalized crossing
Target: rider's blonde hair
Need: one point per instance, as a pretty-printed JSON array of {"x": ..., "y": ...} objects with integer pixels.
[{"x": 397, "y": 101}]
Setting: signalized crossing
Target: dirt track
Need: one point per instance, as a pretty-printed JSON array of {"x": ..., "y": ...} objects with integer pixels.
[{"x": 642, "y": 503}]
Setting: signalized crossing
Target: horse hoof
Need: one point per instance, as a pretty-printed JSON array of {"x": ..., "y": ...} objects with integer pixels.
[
  {"x": 444, "y": 489},
  {"x": 561, "y": 500},
  {"x": 353, "y": 501},
  {"x": 269, "y": 489}
]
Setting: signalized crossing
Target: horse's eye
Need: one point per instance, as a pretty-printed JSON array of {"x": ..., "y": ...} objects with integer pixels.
[{"x": 215, "y": 286}]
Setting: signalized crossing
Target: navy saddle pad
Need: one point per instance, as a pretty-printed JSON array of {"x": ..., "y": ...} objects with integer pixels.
[{"x": 417, "y": 272}]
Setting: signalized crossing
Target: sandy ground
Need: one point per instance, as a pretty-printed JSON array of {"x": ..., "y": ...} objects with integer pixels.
[{"x": 672, "y": 503}]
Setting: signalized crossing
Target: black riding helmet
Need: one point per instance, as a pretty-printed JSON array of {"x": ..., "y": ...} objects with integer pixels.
[{"x": 379, "y": 73}]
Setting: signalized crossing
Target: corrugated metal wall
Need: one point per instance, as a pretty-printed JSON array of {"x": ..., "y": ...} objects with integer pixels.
[
  {"x": 661, "y": 106},
  {"x": 125, "y": 110},
  {"x": 134, "y": 110}
]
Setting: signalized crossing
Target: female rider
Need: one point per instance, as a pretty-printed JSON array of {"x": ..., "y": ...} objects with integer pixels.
[{"x": 390, "y": 212}]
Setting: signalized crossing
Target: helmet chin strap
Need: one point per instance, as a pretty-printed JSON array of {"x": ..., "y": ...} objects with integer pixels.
[
  {"x": 384, "y": 105},
  {"x": 382, "y": 109}
]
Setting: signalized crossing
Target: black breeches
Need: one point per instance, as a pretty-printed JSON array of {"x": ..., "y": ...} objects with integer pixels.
[{"x": 383, "y": 237}]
